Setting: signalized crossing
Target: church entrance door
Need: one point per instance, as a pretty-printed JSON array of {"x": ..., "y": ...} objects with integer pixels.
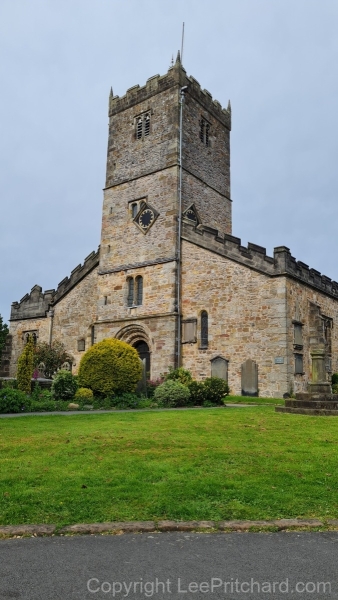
[{"x": 143, "y": 352}]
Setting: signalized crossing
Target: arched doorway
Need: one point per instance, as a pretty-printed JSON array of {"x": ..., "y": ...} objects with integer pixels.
[{"x": 143, "y": 352}]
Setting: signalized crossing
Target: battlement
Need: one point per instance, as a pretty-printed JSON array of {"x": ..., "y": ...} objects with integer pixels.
[
  {"x": 176, "y": 76},
  {"x": 36, "y": 304},
  {"x": 255, "y": 257}
]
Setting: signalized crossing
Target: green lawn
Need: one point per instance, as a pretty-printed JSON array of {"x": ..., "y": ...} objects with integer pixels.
[
  {"x": 242, "y": 463},
  {"x": 252, "y": 400}
]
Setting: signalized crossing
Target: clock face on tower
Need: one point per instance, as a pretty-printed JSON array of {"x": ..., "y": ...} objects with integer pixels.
[{"x": 145, "y": 218}]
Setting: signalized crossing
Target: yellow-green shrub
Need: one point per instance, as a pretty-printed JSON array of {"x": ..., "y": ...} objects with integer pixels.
[
  {"x": 84, "y": 394},
  {"x": 26, "y": 367},
  {"x": 110, "y": 367}
]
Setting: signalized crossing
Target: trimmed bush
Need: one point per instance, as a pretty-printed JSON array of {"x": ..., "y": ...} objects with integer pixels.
[
  {"x": 26, "y": 367},
  {"x": 83, "y": 394},
  {"x": 180, "y": 374},
  {"x": 13, "y": 401},
  {"x": 64, "y": 385},
  {"x": 110, "y": 367},
  {"x": 43, "y": 406},
  {"x": 172, "y": 393},
  {"x": 215, "y": 389},
  {"x": 198, "y": 393},
  {"x": 152, "y": 384},
  {"x": 125, "y": 401}
]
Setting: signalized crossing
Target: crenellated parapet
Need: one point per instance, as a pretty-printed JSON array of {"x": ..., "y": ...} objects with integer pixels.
[
  {"x": 36, "y": 304},
  {"x": 32, "y": 305},
  {"x": 255, "y": 257},
  {"x": 176, "y": 76},
  {"x": 90, "y": 262}
]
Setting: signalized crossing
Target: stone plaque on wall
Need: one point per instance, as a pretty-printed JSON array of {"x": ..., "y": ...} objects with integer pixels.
[
  {"x": 219, "y": 368},
  {"x": 249, "y": 378},
  {"x": 189, "y": 331}
]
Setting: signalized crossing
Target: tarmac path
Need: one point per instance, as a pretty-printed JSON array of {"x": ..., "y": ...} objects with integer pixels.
[{"x": 171, "y": 566}]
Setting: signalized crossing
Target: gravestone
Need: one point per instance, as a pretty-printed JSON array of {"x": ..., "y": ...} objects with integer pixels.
[
  {"x": 219, "y": 368},
  {"x": 249, "y": 378}
]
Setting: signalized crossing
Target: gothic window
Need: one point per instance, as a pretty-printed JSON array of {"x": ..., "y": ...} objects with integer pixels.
[
  {"x": 134, "y": 209},
  {"x": 204, "y": 329},
  {"x": 105, "y": 300},
  {"x": 143, "y": 126},
  {"x": 33, "y": 335},
  {"x": 139, "y": 290},
  {"x": 299, "y": 364},
  {"x": 205, "y": 132},
  {"x": 130, "y": 299}
]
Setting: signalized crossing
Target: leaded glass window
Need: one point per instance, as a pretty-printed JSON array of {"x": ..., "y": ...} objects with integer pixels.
[
  {"x": 139, "y": 290},
  {"x": 204, "y": 329},
  {"x": 130, "y": 299}
]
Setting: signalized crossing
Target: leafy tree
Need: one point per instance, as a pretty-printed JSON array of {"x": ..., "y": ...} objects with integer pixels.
[
  {"x": 52, "y": 356},
  {"x": 3, "y": 335}
]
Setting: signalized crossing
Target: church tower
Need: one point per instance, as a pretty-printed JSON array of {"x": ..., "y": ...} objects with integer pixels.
[{"x": 138, "y": 270}]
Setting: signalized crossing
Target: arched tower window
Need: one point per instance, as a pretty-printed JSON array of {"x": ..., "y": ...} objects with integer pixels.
[
  {"x": 130, "y": 299},
  {"x": 204, "y": 329},
  {"x": 139, "y": 290}
]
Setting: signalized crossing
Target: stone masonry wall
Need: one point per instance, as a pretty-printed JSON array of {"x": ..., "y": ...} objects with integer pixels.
[
  {"x": 246, "y": 312},
  {"x": 6, "y": 357},
  {"x": 206, "y": 180},
  {"x": 158, "y": 332},
  {"x": 74, "y": 315},
  {"x": 18, "y": 329},
  {"x": 300, "y": 302},
  {"x": 158, "y": 292},
  {"x": 213, "y": 209},
  {"x": 122, "y": 242}
]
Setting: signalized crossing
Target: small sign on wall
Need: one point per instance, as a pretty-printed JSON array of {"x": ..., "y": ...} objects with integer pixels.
[{"x": 279, "y": 360}]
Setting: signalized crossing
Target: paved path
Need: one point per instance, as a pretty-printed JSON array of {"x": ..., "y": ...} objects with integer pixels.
[
  {"x": 133, "y": 410},
  {"x": 228, "y": 566}
]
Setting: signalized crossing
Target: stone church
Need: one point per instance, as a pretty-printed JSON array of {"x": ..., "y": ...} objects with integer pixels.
[{"x": 169, "y": 276}]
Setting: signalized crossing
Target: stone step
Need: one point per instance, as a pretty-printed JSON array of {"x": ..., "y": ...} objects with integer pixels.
[
  {"x": 324, "y": 412},
  {"x": 315, "y": 404}
]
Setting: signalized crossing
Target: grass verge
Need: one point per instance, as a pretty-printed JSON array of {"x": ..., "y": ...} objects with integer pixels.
[
  {"x": 182, "y": 465},
  {"x": 252, "y": 400}
]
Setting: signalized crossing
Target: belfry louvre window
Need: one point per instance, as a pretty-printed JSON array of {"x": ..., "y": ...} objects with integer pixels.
[
  {"x": 143, "y": 126},
  {"x": 135, "y": 291},
  {"x": 205, "y": 132},
  {"x": 204, "y": 329}
]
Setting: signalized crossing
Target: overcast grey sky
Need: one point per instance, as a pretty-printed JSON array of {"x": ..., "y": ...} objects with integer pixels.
[{"x": 276, "y": 60}]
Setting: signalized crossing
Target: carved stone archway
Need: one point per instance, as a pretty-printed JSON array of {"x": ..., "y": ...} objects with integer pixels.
[{"x": 136, "y": 336}]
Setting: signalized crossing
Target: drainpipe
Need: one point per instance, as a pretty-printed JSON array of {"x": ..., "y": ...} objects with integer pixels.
[
  {"x": 179, "y": 242},
  {"x": 50, "y": 314}
]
